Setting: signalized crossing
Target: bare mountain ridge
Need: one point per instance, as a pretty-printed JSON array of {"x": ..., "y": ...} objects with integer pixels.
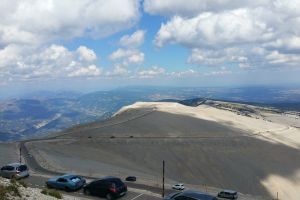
[{"x": 201, "y": 145}]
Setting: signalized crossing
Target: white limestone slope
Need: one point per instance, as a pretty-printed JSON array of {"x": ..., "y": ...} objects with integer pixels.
[{"x": 278, "y": 131}]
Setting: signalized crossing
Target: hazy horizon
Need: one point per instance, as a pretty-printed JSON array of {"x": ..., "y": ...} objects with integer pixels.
[{"x": 75, "y": 46}]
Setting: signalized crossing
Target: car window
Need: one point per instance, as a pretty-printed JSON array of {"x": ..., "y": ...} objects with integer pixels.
[
  {"x": 22, "y": 168},
  {"x": 184, "y": 198},
  {"x": 61, "y": 180},
  {"x": 8, "y": 168},
  {"x": 99, "y": 182},
  {"x": 75, "y": 179},
  {"x": 180, "y": 198},
  {"x": 117, "y": 182}
]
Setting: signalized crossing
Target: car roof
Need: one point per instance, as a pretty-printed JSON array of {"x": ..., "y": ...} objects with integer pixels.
[
  {"x": 14, "y": 164},
  {"x": 198, "y": 195},
  {"x": 108, "y": 177},
  {"x": 229, "y": 191},
  {"x": 67, "y": 176}
]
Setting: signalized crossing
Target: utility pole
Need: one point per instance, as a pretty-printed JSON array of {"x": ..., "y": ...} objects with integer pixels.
[
  {"x": 20, "y": 155},
  {"x": 163, "y": 184}
]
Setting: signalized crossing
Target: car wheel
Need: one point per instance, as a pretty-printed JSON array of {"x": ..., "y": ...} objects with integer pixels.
[
  {"x": 13, "y": 177},
  {"x": 109, "y": 197},
  {"x": 87, "y": 192},
  {"x": 67, "y": 189}
]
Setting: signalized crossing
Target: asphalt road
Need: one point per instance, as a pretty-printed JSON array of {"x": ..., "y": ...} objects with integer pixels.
[{"x": 38, "y": 181}]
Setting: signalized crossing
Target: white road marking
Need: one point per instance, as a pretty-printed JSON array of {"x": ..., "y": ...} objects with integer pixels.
[{"x": 137, "y": 196}]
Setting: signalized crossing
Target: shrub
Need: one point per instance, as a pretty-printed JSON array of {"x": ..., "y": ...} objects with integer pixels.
[
  {"x": 55, "y": 194},
  {"x": 13, "y": 181},
  {"x": 11, "y": 189},
  {"x": 44, "y": 191},
  {"x": 23, "y": 183},
  {"x": 52, "y": 193},
  {"x": 2, "y": 192}
]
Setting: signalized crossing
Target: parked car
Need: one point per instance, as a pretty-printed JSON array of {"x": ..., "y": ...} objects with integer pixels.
[
  {"x": 178, "y": 186},
  {"x": 109, "y": 187},
  {"x": 68, "y": 182},
  {"x": 190, "y": 195},
  {"x": 14, "y": 170},
  {"x": 130, "y": 178},
  {"x": 228, "y": 194}
]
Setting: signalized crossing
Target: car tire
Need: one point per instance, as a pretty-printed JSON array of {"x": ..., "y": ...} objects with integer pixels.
[
  {"x": 109, "y": 197},
  {"x": 67, "y": 189},
  {"x": 87, "y": 192}
]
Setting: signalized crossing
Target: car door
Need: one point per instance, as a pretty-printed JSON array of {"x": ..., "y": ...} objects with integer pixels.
[
  {"x": 23, "y": 171},
  {"x": 227, "y": 195},
  {"x": 61, "y": 183},
  {"x": 3, "y": 171},
  {"x": 96, "y": 188},
  {"x": 7, "y": 171}
]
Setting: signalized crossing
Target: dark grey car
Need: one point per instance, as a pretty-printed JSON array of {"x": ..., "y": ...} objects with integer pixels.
[
  {"x": 228, "y": 194},
  {"x": 190, "y": 195},
  {"x": 14, "y": 170}
]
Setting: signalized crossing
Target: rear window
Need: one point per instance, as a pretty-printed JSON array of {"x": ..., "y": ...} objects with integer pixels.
[
  {"x": 117, "y": 182},
  {"x": 75, "y": 179},
  {"x": 8, "y": 168},
  {"x": 22, "y": 168}
]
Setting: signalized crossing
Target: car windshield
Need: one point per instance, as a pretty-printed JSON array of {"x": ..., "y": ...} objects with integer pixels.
[
  {"x": 75, "y": 179},
  {"x": 8, "y": 168},
  {"x": 22, "y": 168}
]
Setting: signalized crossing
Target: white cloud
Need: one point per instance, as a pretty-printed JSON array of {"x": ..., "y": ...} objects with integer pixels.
[
  {"x": 19, "y": 63},
  {"x": 134, "y": 40},
  {"x": 127, "y": 56},
  {"x": 186, "y": 73},
  {"x": 86, "y": 54},
  {"x": 28, "y": 29},
  {"x": 36, "y": 22},
  {"x": 217, "y": 57},
  {"x": 254, "y": 29},
  {"x": 118, "y": 70},
  {"x": 89, "y": 71},
  {"x": 278, "y": 58},
  {"x": 291, "y": 43},
  {"x": 195, "y": 7},
  {"x": 152, "y": 72},
  {"x": 214, "y": 29}
]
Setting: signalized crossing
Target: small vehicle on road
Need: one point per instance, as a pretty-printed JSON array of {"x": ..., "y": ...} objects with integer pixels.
[
  {"x": 14, "y": 171},
  {"x": 108, "y": 187},
  {"x": 178, "y": 186},
  {"x": 190, "y": 195},
  {"x": 68, "y": 182},
  {"x": 130, "y": 178},
  {"x": 228, "y": 194}
]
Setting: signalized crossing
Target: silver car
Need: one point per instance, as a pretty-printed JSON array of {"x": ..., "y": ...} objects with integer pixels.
[{"x": 14, "y": 170}]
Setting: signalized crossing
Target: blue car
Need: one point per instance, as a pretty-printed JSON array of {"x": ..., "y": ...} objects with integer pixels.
[{"x": 66, "y": 182}]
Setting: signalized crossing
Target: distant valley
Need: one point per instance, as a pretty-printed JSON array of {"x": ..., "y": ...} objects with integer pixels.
[{"x": 41, "y": 113}]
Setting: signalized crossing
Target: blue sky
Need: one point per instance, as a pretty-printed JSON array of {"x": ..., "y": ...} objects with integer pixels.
[{"x": 90, "y": 45}]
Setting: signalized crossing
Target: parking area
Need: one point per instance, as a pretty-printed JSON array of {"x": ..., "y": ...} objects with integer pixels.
[{"x": 132, "y": 194}]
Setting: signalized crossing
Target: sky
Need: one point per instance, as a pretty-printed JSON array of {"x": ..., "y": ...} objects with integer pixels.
[{"x": 89, "y": 45}]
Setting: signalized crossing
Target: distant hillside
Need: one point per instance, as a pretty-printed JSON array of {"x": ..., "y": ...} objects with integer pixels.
[{"x": 44, "y": 112}]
